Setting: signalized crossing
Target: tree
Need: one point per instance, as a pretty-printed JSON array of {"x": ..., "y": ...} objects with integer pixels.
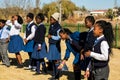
[
  {"x": 109, "y": 14},
  {"x": 67, "y": 8}
]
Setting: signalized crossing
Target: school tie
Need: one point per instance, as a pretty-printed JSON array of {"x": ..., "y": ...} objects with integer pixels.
[
  {"x": 28, "y": 27},
  {"x": 1, "y": 33},
  {"x": 96, "y": 41}
]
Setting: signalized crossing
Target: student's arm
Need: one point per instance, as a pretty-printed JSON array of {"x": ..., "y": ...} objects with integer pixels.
[
  {"x": 87, "y": 72},
  {"x": 67, "y": 54},
  {"x": 56, "y": 37},
  {"x": 32, "y": 33},
  {"x": 104, "y": 50}
]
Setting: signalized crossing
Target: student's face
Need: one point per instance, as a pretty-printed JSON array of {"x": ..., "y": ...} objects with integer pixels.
[
  {"x": 63, "y": 36},
  {"x": 97, "y": 30},
  {"x": 15, "y": 17},
  {"x": 1, "y": 24},
  {"x": 52, "y": 20},
  {"x": 28, "y": 19},
  {"x": 12, "y": 20},
  {"x": 88, "y": 24},
  {"x": 38, "y": 21}
]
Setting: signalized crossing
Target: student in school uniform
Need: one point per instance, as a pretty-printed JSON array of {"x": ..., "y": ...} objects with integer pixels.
[
  {"x": 89, "y": 23},
  {"x": 16, "y": 42},
  {"x": 28, "y": 39},
  {"x": 4, "y": 39},
  {"x": 68, "y": 36},
  {"x": 40, "y": 48},
  {"x": 101, "y": 50},
  {"x": 54, "y": 53}
]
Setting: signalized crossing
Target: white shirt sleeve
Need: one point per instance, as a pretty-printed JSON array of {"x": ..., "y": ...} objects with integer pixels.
[
  {"x": 89, "y": 66},
  {"x": 104, "y": 50},
  {"x": 56, "y": 37},
  {"x": 32, "y": 33},
  {"x": 24, "y": 35}
]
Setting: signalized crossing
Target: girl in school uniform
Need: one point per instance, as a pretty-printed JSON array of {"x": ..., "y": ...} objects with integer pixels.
[
  {"x": 69, "y": 37},
  {"x": 40, "y": 50},
  {"x": 28, "y": 39},
  {"x": 16, "y": 43},
  {"x": 54, "y": 53},
  {"x": 101, "y": 50}
]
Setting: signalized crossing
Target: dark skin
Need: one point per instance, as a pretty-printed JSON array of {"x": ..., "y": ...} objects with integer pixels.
[
  {"x": 28, "y": 20},
  {"x": 97, "y": 32},
  {"x": 52, "y": 20},
  {"x": 38, "y": 21}
]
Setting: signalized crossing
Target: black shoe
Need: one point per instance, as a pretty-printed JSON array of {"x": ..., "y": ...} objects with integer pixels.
[
  {"x": 7, "y": 65},
  {"x": 20, "y": 66}
]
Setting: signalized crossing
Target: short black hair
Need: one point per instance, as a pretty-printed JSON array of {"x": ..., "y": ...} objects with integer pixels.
[
  {"x": 40, "y": 16},
  {"x": 30, "y": 15},
  {"x": 91, "y": 19},
  {"x": 3, "y": 21}
]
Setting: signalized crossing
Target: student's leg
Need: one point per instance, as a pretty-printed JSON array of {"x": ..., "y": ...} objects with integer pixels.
[
  {"x": 33, "y": 64},
  {"x": 38, "y": 67},
  {"x": 19, "y": 58},
  {"x": 57, "y": 75},
  {"x": 77, "y": 71},
  {"x": 49, "y": 67},
  {"x": 43, "y": 65},
  {"x": 30, "y": 60},
  {"x": 5, "y": 55}
]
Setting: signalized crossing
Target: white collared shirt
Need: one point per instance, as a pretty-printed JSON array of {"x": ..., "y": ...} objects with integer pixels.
[
  {"x": 33, "y": 28},
  {"x": 4, "y": 32}
]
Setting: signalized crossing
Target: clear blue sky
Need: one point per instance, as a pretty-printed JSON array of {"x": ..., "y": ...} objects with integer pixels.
[{"x": 91, "y": 4}]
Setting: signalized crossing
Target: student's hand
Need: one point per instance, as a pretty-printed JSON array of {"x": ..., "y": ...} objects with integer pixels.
[
  {"x": 7, "y": 40},
  {"x": 25, "y": 40},
  {"x": 39, "y": 48},
  {"x": 82, "y": 57},
  {"x": 87, "y": 74},
  {"x": 49, "y": 36},
  {"x": 61, "y": 64},
  {"x": 87, "y": 54}
]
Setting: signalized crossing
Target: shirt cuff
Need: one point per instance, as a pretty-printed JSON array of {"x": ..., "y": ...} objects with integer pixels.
[
  {"x": 92, "y": 54},
  {"x": 39, "y": 45},
  {"x": 87, "y": 69}
]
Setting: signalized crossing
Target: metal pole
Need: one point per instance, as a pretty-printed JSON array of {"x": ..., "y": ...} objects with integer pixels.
[
  {"x": 116, "y": 34},
  {"x": 60, "y": 10}
]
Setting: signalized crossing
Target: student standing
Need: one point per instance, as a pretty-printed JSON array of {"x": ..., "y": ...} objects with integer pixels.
[
  {"x": 54, "y": 53},
  {"x": 4, "y": 39},
  {"x": 40, "y": 49},
  {"x": 28, "y": 39},
  {"x": 101, "y": 50},
  {"x": 16, "y": 42},
  {"x": 68, "y": 36},
  {"x": 89, "y": 23}
]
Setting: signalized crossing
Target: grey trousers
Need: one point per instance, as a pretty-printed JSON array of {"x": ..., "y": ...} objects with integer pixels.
[
  {"x": 101, "y": 73},
  {"x": 3, "y": 53}
]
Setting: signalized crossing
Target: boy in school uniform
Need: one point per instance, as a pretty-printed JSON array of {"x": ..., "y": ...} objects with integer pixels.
[
  {"x": 4, "y": 39},
  {"x": 28, "y": 38}
]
